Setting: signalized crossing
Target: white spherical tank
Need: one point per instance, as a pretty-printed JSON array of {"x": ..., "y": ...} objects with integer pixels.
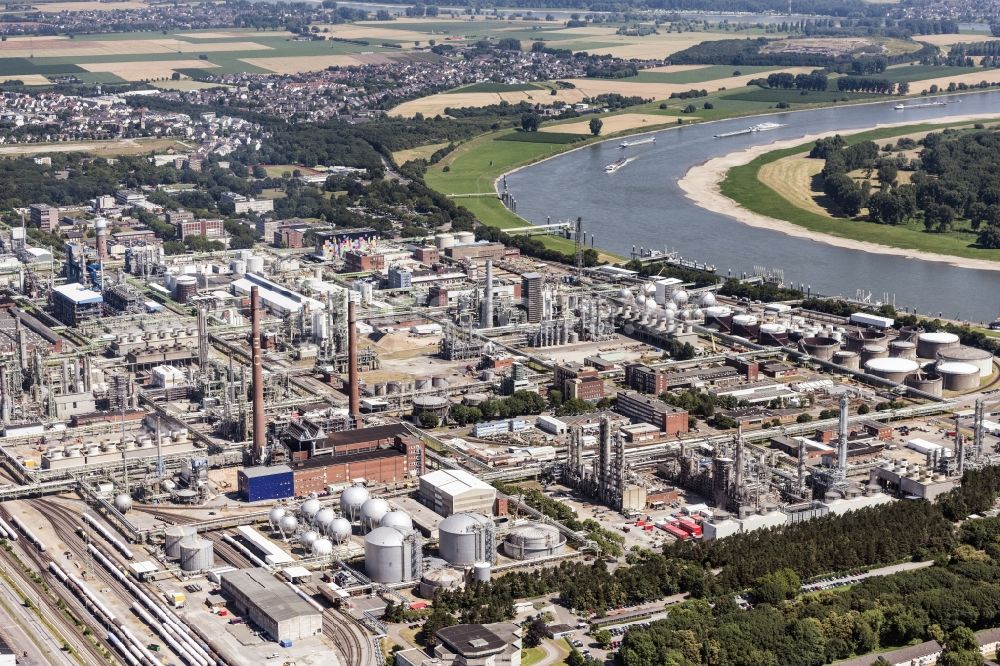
[
  {"x": 123, "y": 503},
  {"x": 707, "y": 300},
  {"x": 323, "y": 518},
  {"x": 351, "y": 500},
  {"x": 309, "y": 509},
  {"x": 288, "y": 524},
  {"x": 275, "y": 516},
  {"x": 680, "y": 297},
  {"x": 398, "y": 519},
  {"x": 372, "y": 512},
  {"x": 322, "y": 547},
  {"x": 308, "y": 538},
  {"x": 339, "y": 530}
]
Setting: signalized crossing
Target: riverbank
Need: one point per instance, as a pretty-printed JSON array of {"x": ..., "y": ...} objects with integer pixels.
[{"x": 704, "y": 184}]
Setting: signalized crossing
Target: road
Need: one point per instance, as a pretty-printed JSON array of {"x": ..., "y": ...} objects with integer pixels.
[{"x": 26, "y": 635}]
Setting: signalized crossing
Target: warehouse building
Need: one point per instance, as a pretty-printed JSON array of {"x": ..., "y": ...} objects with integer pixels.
[
  {"x": 449, "y": 491},
  {"x": 271, "y": 605},
  {"x": 265, "y": 482},
  {"x": 497, "y": 644}
]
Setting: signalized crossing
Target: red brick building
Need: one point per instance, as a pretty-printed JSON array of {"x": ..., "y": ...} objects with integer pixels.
[
  {"x": 672, "y": 420},
  {"x": 645, "y": 379},
  {"x": 360, "y": 262}
]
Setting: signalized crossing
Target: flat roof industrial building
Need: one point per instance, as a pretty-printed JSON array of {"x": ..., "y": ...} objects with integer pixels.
[
  {"x": 271, "y": 604},
  {"x": 449, "y": 491}
]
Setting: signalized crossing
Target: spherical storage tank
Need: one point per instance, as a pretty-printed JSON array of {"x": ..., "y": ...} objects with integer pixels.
[
  {"x": 980, "y": 358},
  {"x": 275, "y": 516},
  {"x": 392, "y": 556},
  {"x": 322, "y": 519},
  {"x": 893, "y": 369},
  {"x": 467, "y": 538},
  {"x": 351, "y": 501},
  {"x": 308, "y": 538},
  {"x": 339, "y": 530},
  {"x": 958, "y": 376},
  {"x": 532, "y": 540},
  {"x": 309, "y": 509},
  {"x": 123, "y": 503},
  {"x": 930, "y": 344},
  {"x": 322, "y": 547},
  {"x": 196, "y": 554},
  {"x": 288, "y": 524},
  {"x": 398, "y": 519},
  {"x": 372, "y": 512}
]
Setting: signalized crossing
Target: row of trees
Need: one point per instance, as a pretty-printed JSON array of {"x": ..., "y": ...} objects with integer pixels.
[
  {"x": 816, "y": 80},
  {"x": 869, "y": 84}
]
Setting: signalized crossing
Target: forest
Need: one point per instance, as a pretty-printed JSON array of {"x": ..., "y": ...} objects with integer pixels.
[{"x": 955, "y": 179}]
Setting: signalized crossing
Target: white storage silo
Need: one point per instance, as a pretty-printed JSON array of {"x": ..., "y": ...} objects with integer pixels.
[
  {"x": 392, "y": 556},
  {"x": 532, "y": 540},
  {"x": 196, "y": 554},
  {"x": 467, "y": 538}
]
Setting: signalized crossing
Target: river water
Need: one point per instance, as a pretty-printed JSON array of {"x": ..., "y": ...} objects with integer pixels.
[{"x": 641, "y": 205}]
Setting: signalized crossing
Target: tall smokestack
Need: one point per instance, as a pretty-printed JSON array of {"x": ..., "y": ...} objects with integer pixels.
[
  {"x": 352, "y": 365},
  {"x": 101, "y": 226},
  {"x": 259, "y": 418},
  {"x": 487, "y": 321}
]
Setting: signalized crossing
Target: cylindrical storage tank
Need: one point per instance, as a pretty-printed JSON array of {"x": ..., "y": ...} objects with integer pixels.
[
  {"x": 255, "y": 265},
  {"x": 720, "y": 317},
  {"x": 929, "y": 345},
  {"x": 185, "y": 288},
  {"x": 746, "y": 326},
  {"x": 927, "y": 382},
  {"x": 391, "y": 556},
  {"x": 893, "y": 369},
  {"x": 440, "y": 579},
  {"x": 393, "y": 387},
  {"x": 351, "y": 501},
  {"x": 123, "y": 503},
  {"x": 903, "y": 349},
  {"x": 174, "y": 535},
  {"x": 372, "y": 513},
  {"x": 980, "y": 358},
  {"x": 440, "y": 382},
  {"x": 467, "y": 538},
  {"x": 444, "y": 241},
  {"x": 774, "y": 335},
  {"x": 847, "y": 359},
  {"x": 196, "y": 554},
  {"x": 532, "y": 540},
  {"x": 423, "y": 384},
  {"x": 856, "y": 340},
  {"x": 434, "y": 404},
  {"x": 339, "y": 530},
  {"x": 957, "y": 376},
  {"x": 398, "y": 519},
  {"x": 238, "y": 266},
  {"x": 465, "y": 238},
  {"x": 909, "y": 333},
  {"x": 873, "y": 351},
  {"x": 482, "y": 571},
  {"x": 818, "y": 347}
]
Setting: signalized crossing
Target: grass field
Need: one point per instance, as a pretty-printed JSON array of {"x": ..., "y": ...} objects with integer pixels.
[
  {"x": 791, "y": 96},
  {"x": 743, "y": 185},
  {"x": 421, "y": 153},
  {"x": 615, "y": 124},
  {"x": 103, "y": 148},
  {"x": 696, "y": 73},
  {"x": 554, "y": 134},
  {"x": 909, "y": 73}
]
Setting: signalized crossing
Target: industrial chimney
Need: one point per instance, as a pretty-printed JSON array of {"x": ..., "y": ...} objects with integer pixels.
[
  {"x": 487, "y": 311},
  {"x": 259, "y": 418},
  {"x": 101, "y": 227},
  {"x": 352, "y": 364}
]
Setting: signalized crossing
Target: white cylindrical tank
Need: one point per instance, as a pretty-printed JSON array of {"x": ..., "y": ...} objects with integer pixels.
[
  {"x": 481, "y": 572},
  {"x": 929, "y": 344},
  {"x": 123, "y": 503},
  {"x": 532, "y": 540},
  {"x": 174, "y": 535},
  {"x": 440, "y": 579},
  {"x": 892, "y": 368},
  {"x": 351, "y": 501},
  {"x": 196, "y": 554},
  {"x": 957, "y": 376},
  {"x": 372, "y": 512},
  {"x": 255, "y": 265},
  {"x": 392, "y": 556},
  {"x": 980, "y": 358},
  {"x": 339, "y": 530},
  {"x": 467, "y": 538}
]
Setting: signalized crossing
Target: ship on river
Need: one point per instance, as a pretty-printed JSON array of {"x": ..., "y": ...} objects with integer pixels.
[
  {"x": 640, "y": 142},
  {"x": 901, "y": 106},
  {"x": 617, "y": 164},
  {"x": 761, "y": 127}
]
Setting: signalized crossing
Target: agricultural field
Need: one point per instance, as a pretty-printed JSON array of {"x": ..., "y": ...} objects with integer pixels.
[
  {"x": 945, "y": 41},
  {"x": 103, "y": 148},
  {"x": 150, "y": 56},
  {"x": 972, "y": 78},
  {"x": 613, "y": 124},
  {"x": 490, "y": 87},
  {"x": 419, "y": 153}
]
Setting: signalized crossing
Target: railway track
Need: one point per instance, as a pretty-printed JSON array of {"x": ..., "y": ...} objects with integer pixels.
[
  {"x": 338, "y": 628},
  {"x": 84, "y": 652}
]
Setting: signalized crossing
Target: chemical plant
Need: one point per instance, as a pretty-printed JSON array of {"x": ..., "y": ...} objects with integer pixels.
[{"x": 237, "y": 454}]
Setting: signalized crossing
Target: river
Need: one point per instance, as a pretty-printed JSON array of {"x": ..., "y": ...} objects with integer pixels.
[{"x": 641, "y": 205}]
